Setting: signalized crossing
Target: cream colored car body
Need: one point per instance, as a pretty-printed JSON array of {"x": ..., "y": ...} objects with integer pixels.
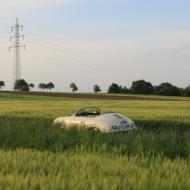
[{"x": 106, "y": 122}]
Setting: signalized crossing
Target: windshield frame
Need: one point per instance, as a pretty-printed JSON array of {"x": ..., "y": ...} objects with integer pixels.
[{"x": 88, "y": 111}]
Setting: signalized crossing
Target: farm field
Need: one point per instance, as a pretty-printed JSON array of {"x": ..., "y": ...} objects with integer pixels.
[
  {"x": 102, "y": 96},
  {"x": 36, "y": 155}
]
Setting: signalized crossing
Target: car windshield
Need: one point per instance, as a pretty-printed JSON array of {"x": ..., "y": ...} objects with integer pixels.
[{"x": 88, "y": 112}]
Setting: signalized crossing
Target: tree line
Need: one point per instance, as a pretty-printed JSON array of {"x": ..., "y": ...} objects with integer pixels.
[
  {"x": 138, "y": 87},
  {"x": 22, "y": 85},
  {"x": 146, "y": 88}
]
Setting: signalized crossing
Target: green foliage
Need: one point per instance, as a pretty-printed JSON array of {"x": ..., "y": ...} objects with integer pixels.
[
  {"x": 96, "y": 88},
  {"x": 124, "y": 90},
  {"x": 146, "y": 88},
  {"x": 142, "y": 87},
  {"x": 114, "y": 88},
  {"x": 187, "y": 91},
  {"x": 50, "y": 86},
  {"x": 42, "y": 86},
  {"x": 167, "y": 89},
  {"x": 31, "y": 85},
  {"x": 21, "y": 85},
  {"x": 2, "y": 84},
  {"x": 74, "y": 87}
]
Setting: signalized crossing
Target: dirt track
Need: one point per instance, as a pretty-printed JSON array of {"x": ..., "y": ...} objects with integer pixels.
[{"x": 92, "y": 96}]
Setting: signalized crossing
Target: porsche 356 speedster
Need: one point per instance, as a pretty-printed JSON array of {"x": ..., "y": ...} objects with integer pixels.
[{"x": 91, "y": 118}]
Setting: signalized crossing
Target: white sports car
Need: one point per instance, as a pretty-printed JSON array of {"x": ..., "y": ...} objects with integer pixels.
[{"x": 92, "y": 119}]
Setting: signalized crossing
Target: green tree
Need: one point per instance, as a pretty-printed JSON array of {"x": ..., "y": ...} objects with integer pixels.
[
  {"x": 50, "y": 86},
  {"x": 187, "y": 91},
  {"x": 96, "y": 88},
  {"x": 142, "y": 87},
  {"x": 42, "y": 86},
  {"x": 167, "y": 89},
  {"x": 31, "y": 85},
  {"x": 123, "y": 90},
  {"x": 74, "y": 87},
  {"x": 2, "y": 84},
  {"x": 21, "y": 85},
  {"x": 114, "y": 88}
]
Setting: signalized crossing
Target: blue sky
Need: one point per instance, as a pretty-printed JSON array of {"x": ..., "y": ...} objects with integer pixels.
[
  {"x": 96, "y": 41},
  {"x": 118, "y": 19}
]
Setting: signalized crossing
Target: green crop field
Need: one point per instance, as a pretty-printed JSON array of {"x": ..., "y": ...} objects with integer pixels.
[{"x": 36, "y": 155}]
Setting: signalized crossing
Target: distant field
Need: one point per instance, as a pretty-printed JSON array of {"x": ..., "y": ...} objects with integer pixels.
[
  {"x": 36, "y": 155},
  {"x": 103, "y": 96}
]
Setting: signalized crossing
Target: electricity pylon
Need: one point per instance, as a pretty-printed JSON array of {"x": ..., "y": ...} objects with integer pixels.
[{"x": 16, "y": 45}]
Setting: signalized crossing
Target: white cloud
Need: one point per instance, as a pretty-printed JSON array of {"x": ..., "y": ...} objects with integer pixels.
[{"x": 18, "y": 7}]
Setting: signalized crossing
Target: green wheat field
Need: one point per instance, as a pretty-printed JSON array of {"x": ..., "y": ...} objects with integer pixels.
[{"x": 35, "y": 155}]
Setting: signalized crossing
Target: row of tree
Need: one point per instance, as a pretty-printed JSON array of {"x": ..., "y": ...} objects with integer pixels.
[
  {"x": 144, "y": 87},
  {"x": 49, "y": 86},
  {"x": 74, "y": 88},
  {"x": 137, "y": 87},
  {"x": 22, "y": 85}
]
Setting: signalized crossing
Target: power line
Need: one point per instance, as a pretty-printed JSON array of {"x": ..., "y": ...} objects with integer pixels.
[{"x": 16, "y": 45}]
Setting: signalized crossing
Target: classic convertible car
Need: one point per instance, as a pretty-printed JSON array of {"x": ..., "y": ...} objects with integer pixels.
[{"x": 92, "y": 119}]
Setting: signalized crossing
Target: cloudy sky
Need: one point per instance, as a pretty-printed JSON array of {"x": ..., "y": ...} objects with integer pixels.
[{"x": 98, "y": 41}]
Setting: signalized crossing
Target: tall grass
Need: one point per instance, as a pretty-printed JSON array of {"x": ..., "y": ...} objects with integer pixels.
[
  {"x": 26, "y": 169},
  {"x": 36, "y": 155},
  {"x": 39, "y": 133}
]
